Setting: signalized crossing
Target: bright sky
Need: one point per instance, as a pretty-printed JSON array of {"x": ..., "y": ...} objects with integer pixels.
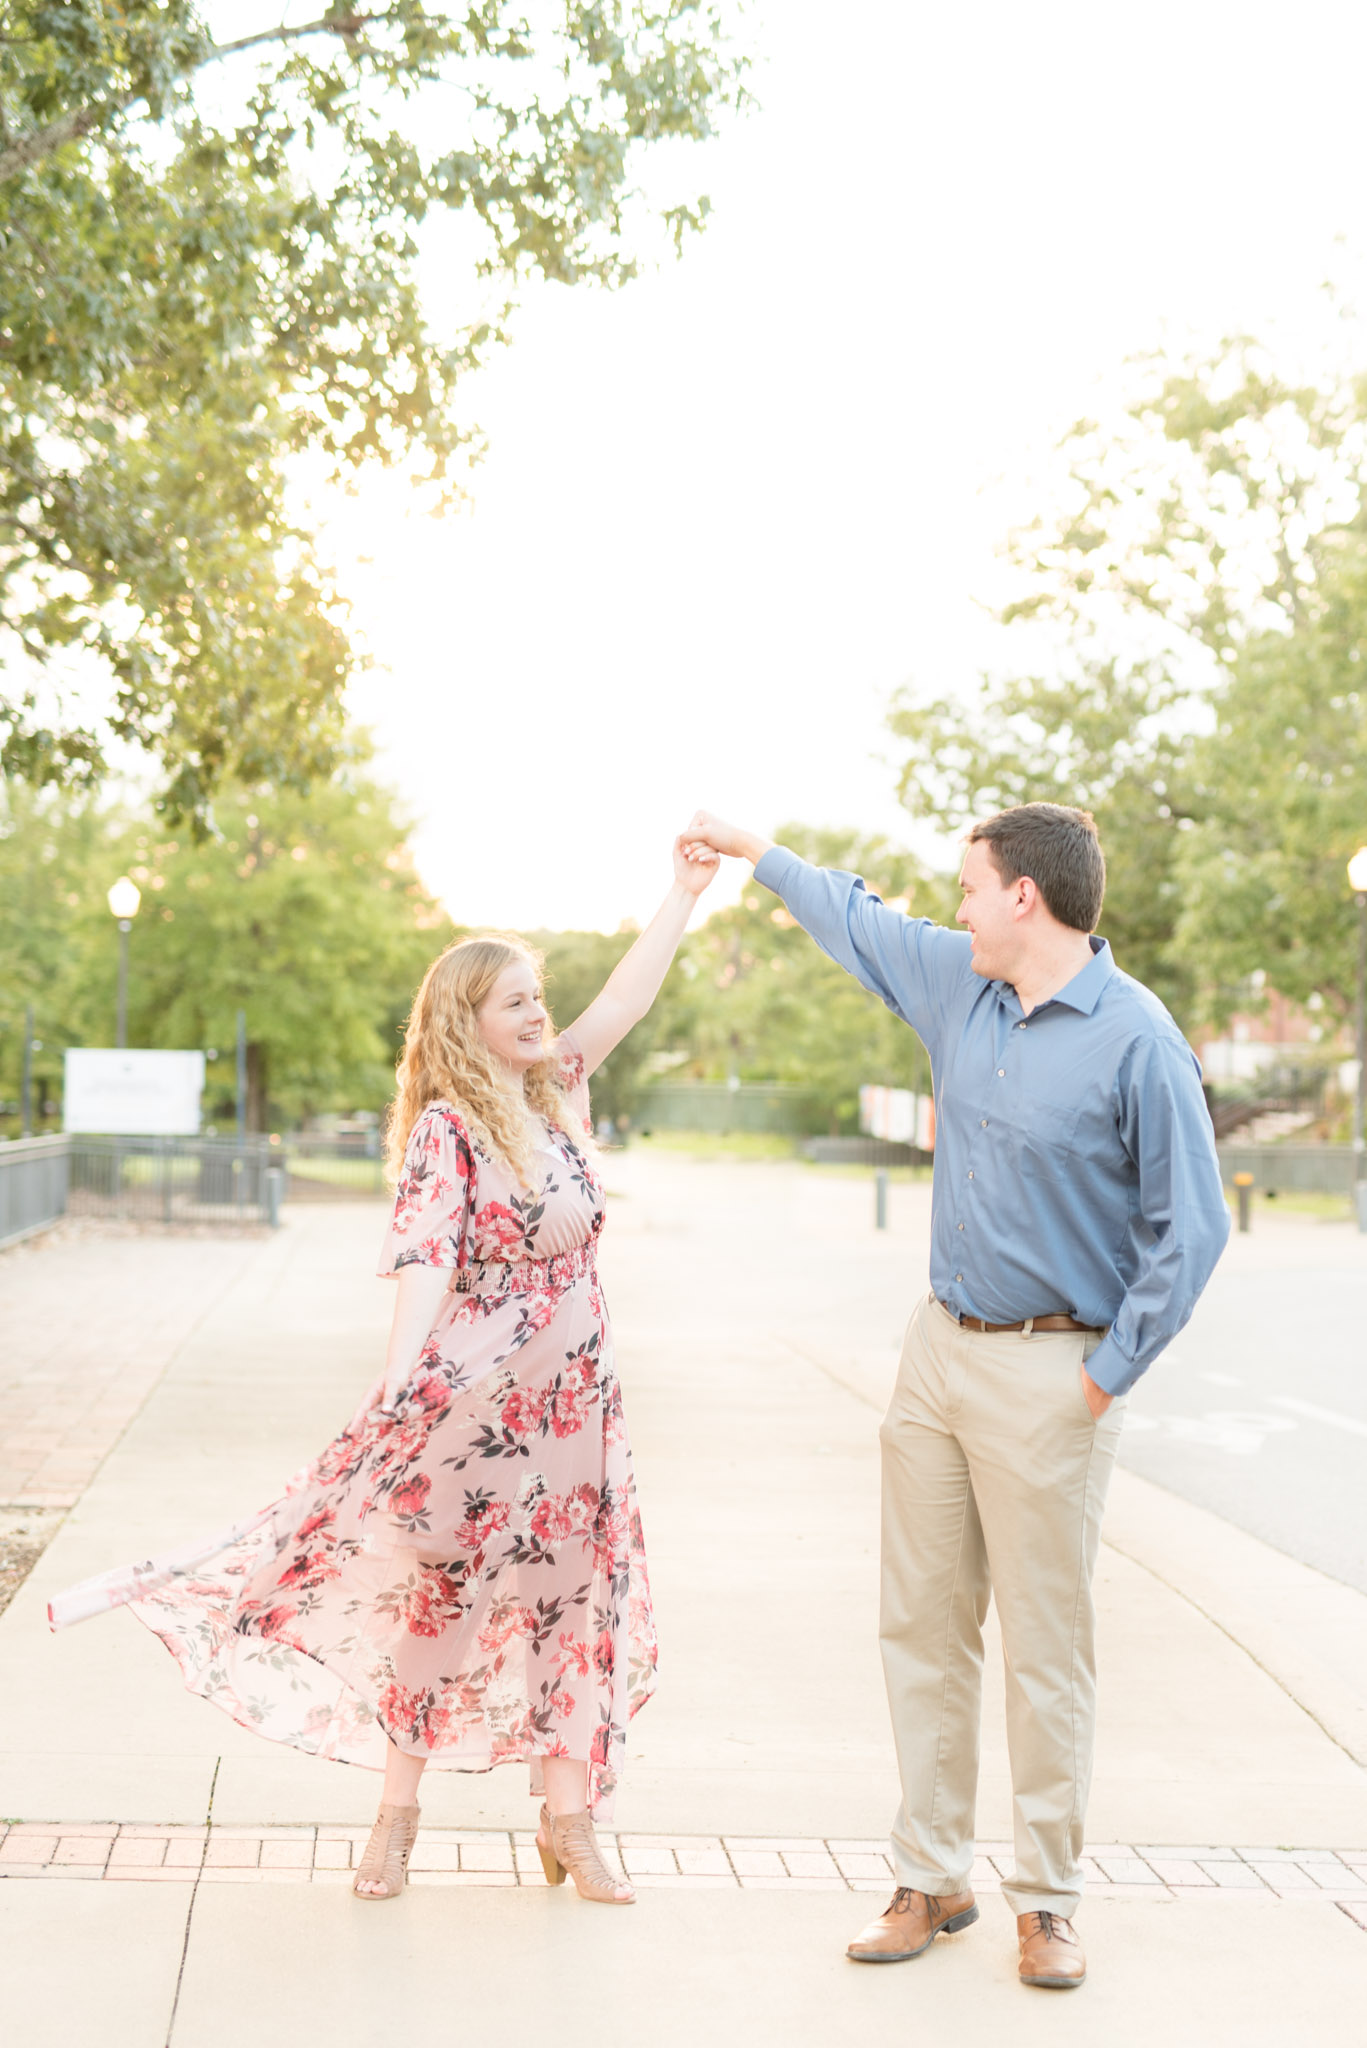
[{"x": 728, "y": 511}]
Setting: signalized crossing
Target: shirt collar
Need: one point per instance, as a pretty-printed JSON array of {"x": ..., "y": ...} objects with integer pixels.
[{"x": 1083, "y": 992}]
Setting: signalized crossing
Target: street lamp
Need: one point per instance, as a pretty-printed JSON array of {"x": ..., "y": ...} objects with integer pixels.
[
  {"x": 1357, "y": 878},
  {"x": 123, "y": 900}
]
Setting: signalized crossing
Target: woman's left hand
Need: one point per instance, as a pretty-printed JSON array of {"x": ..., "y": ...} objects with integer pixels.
[{"x": 694, "y": 864}]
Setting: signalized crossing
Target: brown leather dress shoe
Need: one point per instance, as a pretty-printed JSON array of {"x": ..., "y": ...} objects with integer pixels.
[
  {"x": 1051, "y": 1954},
  {"x": 909, "y": 1926}
]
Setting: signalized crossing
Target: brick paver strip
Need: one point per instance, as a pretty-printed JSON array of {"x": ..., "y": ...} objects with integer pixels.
[{"x": 107, "y": 1852}]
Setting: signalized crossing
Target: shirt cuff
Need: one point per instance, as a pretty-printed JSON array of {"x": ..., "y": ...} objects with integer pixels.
[
  {"x": 770, "y": 867},
  {"x": 1111, "y": 1370}
]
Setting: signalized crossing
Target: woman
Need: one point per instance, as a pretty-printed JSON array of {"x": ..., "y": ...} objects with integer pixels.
[{"x": 459, "y": 1579}]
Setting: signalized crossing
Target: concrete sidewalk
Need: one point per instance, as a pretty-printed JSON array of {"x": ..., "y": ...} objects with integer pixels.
[{"x": 758, "y": 1318}]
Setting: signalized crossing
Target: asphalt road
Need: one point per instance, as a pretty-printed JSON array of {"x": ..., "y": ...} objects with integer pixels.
[{"x": 1259, "y": 1410}]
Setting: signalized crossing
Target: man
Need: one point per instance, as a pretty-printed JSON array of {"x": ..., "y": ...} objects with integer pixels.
[{"x": 1077, "y": 1214}]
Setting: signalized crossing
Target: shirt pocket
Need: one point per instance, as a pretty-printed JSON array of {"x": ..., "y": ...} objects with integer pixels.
[{"x": 1041, "y": 1137}]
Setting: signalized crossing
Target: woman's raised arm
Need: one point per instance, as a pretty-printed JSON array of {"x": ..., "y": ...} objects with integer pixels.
[{"x": 635, "y": 981}]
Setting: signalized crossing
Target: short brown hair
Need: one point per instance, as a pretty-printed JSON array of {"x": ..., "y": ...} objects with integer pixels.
[{"x": 1058, "y": 848}]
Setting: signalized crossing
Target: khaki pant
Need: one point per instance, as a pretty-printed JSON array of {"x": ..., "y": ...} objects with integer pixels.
[{"x": 994, "y": 1481}]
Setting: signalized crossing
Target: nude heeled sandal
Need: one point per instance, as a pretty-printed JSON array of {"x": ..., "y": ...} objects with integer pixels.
[
  {"x": 568, "y": 1846},
  {"x": 385, "y": 1860}
]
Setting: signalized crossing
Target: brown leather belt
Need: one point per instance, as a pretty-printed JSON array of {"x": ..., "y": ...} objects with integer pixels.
[{"x": 1031, "y": 1323}]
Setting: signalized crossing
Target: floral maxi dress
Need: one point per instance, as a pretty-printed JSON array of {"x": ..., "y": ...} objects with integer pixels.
[{"x": 464, "y": 1576}]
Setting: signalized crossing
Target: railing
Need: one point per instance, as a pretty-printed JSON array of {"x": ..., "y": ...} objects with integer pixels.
[
  {"x": 1279, "y": 1088},
  {"x": 716, "y": 1108},
  {"x": 1291, "y": 1169},
  {"x": 33, "y": 1185},
  {"x": 179, "y": 1180},
  {"x": 863, "y": 1152},
  {"x": 174, "y": 1180}
]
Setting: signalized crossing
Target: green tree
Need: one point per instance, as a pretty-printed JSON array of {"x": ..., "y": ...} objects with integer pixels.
[
  {"x": 758, "y": 1000},
  {"x": 306, "y": 912},
  {"x": 1105, "y": 739},
  {"x": 1194, "y": 604},
  {"x": 577, "y": 965},
  {"x": 52, "y": 859},
  {"x": 189, "y": 296},
  {"x": 1283, "y": 781}
]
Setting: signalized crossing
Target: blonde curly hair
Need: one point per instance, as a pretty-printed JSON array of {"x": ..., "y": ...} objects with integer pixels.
[{"x": 445, "y": 1058}]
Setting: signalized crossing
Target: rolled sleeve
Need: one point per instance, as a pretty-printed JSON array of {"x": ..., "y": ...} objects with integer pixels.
[{"x": 1182, "y": 1224}]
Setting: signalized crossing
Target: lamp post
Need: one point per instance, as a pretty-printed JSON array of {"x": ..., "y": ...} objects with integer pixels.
[
  {"x": 31, "y": 1046},
  {"x": 123, "y": 900},
  {"x": 1357, "y": 877}
]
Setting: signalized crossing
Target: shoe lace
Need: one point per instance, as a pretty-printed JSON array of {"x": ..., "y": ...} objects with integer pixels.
[{"x": 1052, "y": 1926}]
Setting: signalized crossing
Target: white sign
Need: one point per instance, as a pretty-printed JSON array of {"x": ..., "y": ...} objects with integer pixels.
[
  {"x": 137, "y": 1094},
  {"x": 899, "y": 1115}
]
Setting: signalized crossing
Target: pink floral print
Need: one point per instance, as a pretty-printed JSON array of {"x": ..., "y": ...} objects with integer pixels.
[{"x": 465, "y": 1576}]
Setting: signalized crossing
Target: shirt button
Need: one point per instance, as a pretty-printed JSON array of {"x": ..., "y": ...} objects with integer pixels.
[
  {"x": 970, "y": 1174},
  {"x": 1020, "y": 1027},
  {"x": 1001, "y": 1073},
  {"x": 961, "y": 1226},
  {"x": 958, "y": 1276},
  {"x": 983, "y": 1124}
]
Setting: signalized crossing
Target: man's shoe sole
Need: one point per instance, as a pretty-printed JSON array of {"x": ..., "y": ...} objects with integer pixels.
[
  {"x": 906, "y": 1955},
  {"x": 1052, "y": 1983}
]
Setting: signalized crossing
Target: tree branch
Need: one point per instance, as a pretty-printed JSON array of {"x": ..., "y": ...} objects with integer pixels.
[
  {"x": 31, "y": 149},
  {"x": 344, "y": 25}
]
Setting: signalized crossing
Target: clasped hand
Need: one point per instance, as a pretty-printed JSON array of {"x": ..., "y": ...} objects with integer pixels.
[
  {"x": 695, "y": 862},
  {"x": 707, "y": 830}
]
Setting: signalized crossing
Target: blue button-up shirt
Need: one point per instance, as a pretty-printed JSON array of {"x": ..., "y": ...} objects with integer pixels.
[{"x": 1075, "y": 1164}]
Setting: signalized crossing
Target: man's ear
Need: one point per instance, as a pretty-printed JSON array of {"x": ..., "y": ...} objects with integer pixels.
[{"x": 1027, "y": 895}]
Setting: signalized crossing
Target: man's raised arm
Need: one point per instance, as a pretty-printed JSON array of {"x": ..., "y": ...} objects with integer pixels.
[{"x": 912, "y": 964}]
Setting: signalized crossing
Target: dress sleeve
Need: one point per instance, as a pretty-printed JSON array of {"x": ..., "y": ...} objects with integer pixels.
[
  {"x": 574, "y": 1080},
  {"x": 433, "y": 1198}
]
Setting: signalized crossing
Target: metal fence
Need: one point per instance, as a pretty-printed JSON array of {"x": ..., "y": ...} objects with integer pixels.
[
  {"x": 175, "y": 1180},
  {"x": 33, "y": 1185},
  {"x": 863, "y": 1152},
  {"x": 1291, "y": 1169},
  {"x": 180, "y": 1180},
  {"x": 715, "y": 1108}
]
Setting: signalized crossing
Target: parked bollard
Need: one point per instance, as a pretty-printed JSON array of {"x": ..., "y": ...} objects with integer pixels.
[
  {"x": 1244, "y": 1183},
  {"x": 880, "y": 1200},
  {"x": 275, "y": 1194}
]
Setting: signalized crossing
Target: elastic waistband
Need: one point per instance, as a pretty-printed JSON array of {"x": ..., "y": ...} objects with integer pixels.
[{"x": 526, "y": 1276}]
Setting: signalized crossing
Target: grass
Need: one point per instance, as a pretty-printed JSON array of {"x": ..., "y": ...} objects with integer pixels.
[
  {"x": 342, "y": 1173},
  {"x": 140, "y": 1168},
  {"x": 714, "y": 1147},
  {"x": 1320, "y": 1208}
]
